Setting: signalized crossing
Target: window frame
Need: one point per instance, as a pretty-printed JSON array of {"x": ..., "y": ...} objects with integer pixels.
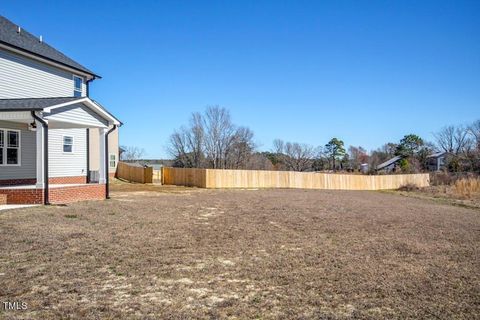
[
  {"x": 6, "y": 147},
  {"x": 63, "y": 144},
  {"x": 110, "y": 160},
  {"x": 80, "y": 91}
]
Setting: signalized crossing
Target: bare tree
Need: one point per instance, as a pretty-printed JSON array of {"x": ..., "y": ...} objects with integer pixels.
[
  {"x": 295, "y": 156},
  {"x": 186, "y": 144},
  {"x": 278, "y": 146},
  {"x": 212, "y": 140},
  {"x": 357, "y": 156},
  {"x": 240, "y": 149},
  {"x": 474, "y": 130},
  {"x": 130, "y": 153},
  {"x": 219, "y": 135},
  {"x": 453, "y": 139}
]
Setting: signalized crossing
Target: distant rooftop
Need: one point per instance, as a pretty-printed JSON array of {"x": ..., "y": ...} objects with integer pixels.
[
  {"x": 437, "y": 154},
  {"x": 388, "y": 162}
]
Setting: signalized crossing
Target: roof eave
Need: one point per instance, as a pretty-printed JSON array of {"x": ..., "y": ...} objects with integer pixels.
[{"x": 93, "y": 75}]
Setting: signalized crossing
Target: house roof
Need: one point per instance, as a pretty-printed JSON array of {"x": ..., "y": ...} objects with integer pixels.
[
  {"x": 389, "y": 162},
  {"x": 38, "y": 104},
  {"x": 25, "y": 41},
  {"x": 437, "y": 154},
  {"x": 26, "y": 104}
]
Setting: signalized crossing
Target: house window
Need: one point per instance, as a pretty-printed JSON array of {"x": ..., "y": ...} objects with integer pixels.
[
  {"x": 113, "y": 160},
  {"x": 67, "y": 144},
  {"x": 77, "y": 86},
  {"x": 9, "y": 147}
]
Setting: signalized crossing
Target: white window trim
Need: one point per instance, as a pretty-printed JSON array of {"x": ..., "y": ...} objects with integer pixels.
[
  {"x": 63, "y": 144},
  {"x": 5, "y": 147},
  {"x": 110, "y": 160},
  {"x": 81, "y": 85}
]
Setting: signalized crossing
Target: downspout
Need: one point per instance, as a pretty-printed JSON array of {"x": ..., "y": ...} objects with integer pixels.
[
  {"x": 87, "y": 83},
  {"x": 88, "y": 155},
  {"x": 45, "y": 157},
  {"x": 107, "y": 167}
]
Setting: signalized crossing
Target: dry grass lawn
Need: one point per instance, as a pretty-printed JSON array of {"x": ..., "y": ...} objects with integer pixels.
[{"x": 168, "y": 253}]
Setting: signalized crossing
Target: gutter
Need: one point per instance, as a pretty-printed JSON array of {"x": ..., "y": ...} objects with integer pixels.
[
  {"x": 45, "y": 157},
  {"x": 20, "y": 109},
  {"x": 65, "y": 65},
  {"x": 107, "y": 167}
]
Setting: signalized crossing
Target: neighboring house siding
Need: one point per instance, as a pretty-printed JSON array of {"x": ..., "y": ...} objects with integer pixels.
[
  {"x": 113, "y": 148},
  {"x": 95, "y": 149},
  {"x": 27, "y": 168},
  {"x": 62, "y": 164},
  {"x": 22, "y": 77},
  {"x": 79, "y": 114}
]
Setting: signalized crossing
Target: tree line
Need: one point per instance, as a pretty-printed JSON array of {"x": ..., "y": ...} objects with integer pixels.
[{"x": 212, "y": 140}]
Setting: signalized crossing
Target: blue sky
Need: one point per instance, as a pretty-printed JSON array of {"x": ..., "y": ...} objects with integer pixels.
[{"x": 367, "y": 72}]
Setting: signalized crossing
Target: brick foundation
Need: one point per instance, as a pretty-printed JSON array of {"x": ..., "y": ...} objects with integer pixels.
[
  {"x": 23, "y": 196},
  {"x": 60, "y": 195},
  {"x": 68, "y": 180},
  {"x": 77, "y": 193},
  {"x": 17, "y": 182}
]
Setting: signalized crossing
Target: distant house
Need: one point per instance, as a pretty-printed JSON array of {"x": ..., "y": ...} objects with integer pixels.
[
  {"x": 390, "y": 165},
  {"x": 437, "y": 161},
  {"x": 364, "y": 168},
  {"x": 156, "y": 164}
]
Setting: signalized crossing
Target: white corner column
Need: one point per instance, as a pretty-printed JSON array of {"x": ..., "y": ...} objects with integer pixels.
[
  {"x": 40, "y": 163},
  {"x": 102, "y": 156}
]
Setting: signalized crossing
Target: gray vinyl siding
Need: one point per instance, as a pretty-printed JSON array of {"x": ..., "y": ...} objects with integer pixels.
[
  {"x": 62, "y": 164},
  {"x": 77, "y": 113},
  {"x": 22, "y": 77},
  {"x": 27, "y": 168}
]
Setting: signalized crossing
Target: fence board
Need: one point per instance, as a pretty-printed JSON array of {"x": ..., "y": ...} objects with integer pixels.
[
  {"x": 214, "y": 178},
  {"x": 134, "y": 173}
]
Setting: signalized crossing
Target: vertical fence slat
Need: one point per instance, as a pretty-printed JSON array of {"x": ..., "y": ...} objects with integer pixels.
[
  {"x": 134, "y": 173},
  {"x": 215, "y": 178}
]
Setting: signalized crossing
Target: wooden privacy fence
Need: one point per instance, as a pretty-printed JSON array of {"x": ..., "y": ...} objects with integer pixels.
[
  {"x": 214, "y": 178},
  {"x": 134, "y": 173}
]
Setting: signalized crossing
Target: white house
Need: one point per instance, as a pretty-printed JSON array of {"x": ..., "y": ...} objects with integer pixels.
[{"x": 56, "y": 143}]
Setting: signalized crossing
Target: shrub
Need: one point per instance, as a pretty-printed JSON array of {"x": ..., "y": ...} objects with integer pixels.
[
  {"x": 467, "y": 187},
  {"x": 442, "y": 179},
  {"x": 409, "y": 187}
]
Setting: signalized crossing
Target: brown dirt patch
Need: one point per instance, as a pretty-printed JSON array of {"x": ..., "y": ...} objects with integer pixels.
[{"x": 242, "y": 254}]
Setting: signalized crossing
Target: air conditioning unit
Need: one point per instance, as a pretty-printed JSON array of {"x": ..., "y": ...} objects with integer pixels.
[{"x": 94, "y": 176}]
